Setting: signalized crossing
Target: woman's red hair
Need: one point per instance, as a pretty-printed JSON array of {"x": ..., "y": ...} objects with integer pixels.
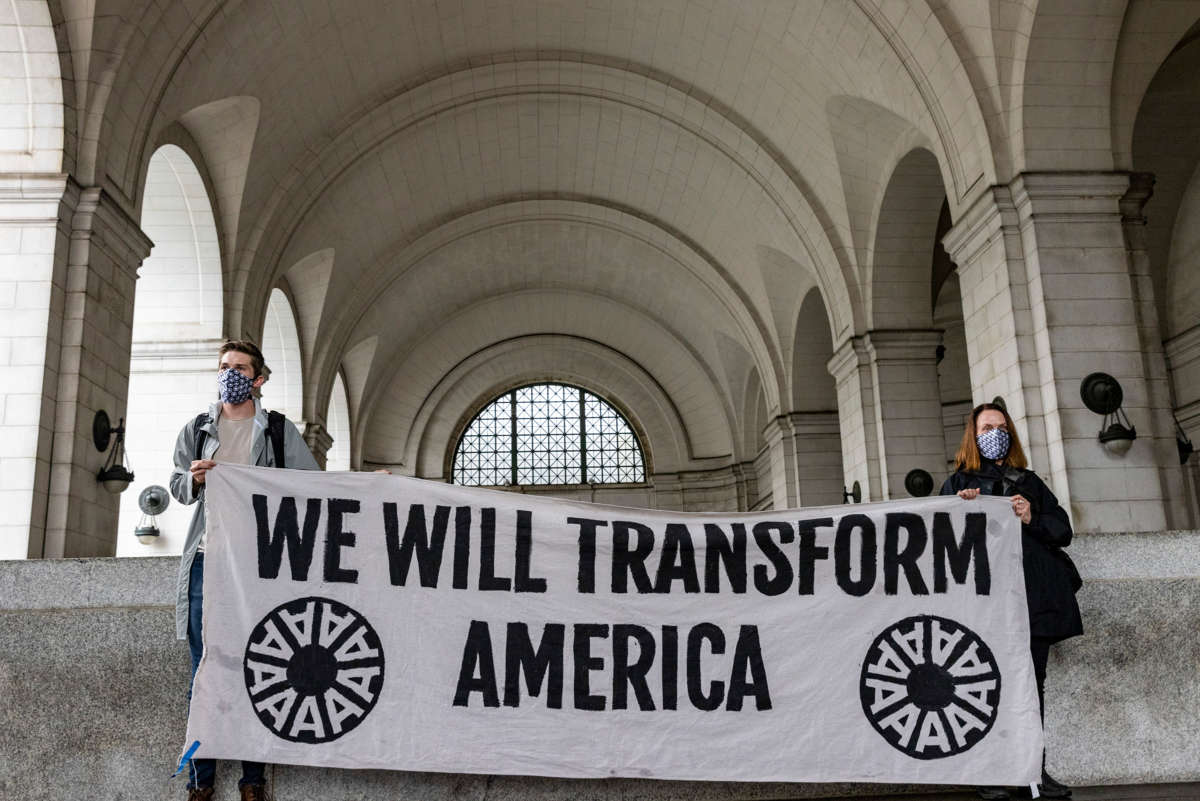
[{"x": 969, "y": 458}]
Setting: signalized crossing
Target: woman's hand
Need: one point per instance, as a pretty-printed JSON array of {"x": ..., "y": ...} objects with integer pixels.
[
  {"x": 968, "y": 494},
  {"x": 1021, "y": 508}
]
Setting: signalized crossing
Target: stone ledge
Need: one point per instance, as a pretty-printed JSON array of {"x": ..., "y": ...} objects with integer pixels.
[
  {"x": 93, "y": 686},
  {"x": 88, "y": 583}
]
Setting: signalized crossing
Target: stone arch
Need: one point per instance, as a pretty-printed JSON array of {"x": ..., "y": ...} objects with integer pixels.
[
  {"x": 754, "y": 417},
  {"x": 389, "y": 415},
  {"x": 177, "y": 324},
  {"x": 1166, "y": 144},
  {"x": 412, "y": 110},
  {"x": 1063, "y": 120},
  {"x": 487, "y": 373},
  {"x": 905, "y": 239},
  {"x": 814, "y": 425},
  {"x": 666, "y": 428},
  {"x": 337, "y": 418},
  {"x": 501, "y": 229},
  {"x": 813, "y": 387},
  {"x": 179, "y": 290},
  {"x": 284, "y": 389},
  {"x": 1150, "y": 35}
]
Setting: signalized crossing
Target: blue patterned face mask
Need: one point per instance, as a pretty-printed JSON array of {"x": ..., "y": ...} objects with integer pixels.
[
  {"x": 994, "y": 444},
  {"x": 234, "y": 387}
]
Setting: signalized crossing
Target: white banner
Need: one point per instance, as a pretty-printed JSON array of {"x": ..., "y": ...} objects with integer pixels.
[{"x": 368, "y": 621}]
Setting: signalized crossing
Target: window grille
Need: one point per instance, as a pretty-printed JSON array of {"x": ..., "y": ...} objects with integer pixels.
[{"x": 548, "y": 434}]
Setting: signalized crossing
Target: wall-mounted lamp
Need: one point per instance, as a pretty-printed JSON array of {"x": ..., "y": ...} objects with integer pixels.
[
  {"x": 852, "y": 494},
  {"x": 1182, "y": 442},
  {"x": 1102, "y": 394},
  {"x": 918, "y": 483},
  {"x": 115, "y": 475},
  {"x": 153, "y": 501}
]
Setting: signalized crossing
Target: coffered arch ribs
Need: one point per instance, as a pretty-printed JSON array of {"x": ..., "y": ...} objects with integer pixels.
[
  {"x": 693, "y": 387},
  {"x": 657, "y": 249},
  {"x": 565, "y": 260},
  {"x": 850, "y": 32},
  {"x": 746, "y": 180}
]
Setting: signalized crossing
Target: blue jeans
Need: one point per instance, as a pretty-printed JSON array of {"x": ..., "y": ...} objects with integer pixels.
[{"x": 203, "y": 772}]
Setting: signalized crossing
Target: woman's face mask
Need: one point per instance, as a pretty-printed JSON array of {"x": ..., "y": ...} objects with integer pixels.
[
  {"x": 993, "y": 443},
  {"x": 234, "y": 387}
]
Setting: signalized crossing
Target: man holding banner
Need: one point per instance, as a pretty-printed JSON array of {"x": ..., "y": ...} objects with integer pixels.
[
  {"x": 365, "y": 621},
  {"x": 235, "y": 430}
]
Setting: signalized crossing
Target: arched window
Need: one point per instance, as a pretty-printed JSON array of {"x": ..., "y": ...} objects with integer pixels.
[
  {"x": 177, "y": 324},
  {"x": 548, "y": 434}
]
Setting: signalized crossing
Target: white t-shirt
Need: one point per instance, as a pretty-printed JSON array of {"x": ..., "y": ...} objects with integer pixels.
[{"x": 234, "y": 437}]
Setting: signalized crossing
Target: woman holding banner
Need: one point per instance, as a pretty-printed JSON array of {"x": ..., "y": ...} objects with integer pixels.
[{"x": 990, "y": 460}]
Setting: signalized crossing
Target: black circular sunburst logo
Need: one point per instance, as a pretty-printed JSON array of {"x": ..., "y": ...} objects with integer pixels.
[
  {"x": 313, "y": 669},
  {"x": 930, "y": 687}
]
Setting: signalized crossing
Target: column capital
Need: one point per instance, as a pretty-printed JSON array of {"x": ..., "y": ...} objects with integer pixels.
[
  {"x": 318, "y": 440},
  {"x": 814, "y": 423},
  {"x": 848, "y": 357},
  {"x": 98, "y": 219},
  {"x": 1141, "y": 188},
  {"x": 1068, "y": 196},
  {"x": 903, "y": 345},
  {"x": 979, "y": 225}
]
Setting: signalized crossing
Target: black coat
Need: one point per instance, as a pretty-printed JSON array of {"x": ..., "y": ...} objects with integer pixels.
[{"x": 1050, "y": 577}]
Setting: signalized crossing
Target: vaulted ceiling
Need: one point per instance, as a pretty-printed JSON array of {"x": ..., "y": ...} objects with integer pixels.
[{"x": 661, "y": 183}]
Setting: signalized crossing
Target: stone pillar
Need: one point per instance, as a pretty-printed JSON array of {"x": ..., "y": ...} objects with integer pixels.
[
  {"x": 1154, "y": 364},
  {"x": 32, "y": 265},
  {"x": 817, "y": 442},
  {"x": 781, "y": 455},
  {"x": 889, "y": 408},
  {"x": 1048, "y": 297},
  {"x": 105, "y": 250},
  {"x": 850, "y": 367},
  {"x": 319, "y": 442},
  {"x": 986, "y": 246}
]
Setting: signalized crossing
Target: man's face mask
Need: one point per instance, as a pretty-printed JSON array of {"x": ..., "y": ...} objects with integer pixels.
[
  {"x": 993, "y": 444},
  {"x": 234, "y": 387}
]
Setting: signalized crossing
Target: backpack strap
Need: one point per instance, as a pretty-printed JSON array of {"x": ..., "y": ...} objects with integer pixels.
[
  {"x": 199, "y": 435},
  {"x": 275, "y": 432}
]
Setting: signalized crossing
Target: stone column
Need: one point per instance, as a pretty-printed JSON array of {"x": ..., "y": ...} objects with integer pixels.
[
  {"x": 986, "y": 246},
  {"x": 319, "y": 442},
  {"x": 106, "y": 248},
  {"x": 1048, "y": 297},
  {"x": 781, "y": 455},
  {"x": 32, "y": 265},
  {"x": 850, "y": 367},
  {"x": 1179, "y": 513},
  {"x": 817, "y": 442},
  {"x": 890, "y": 409}
]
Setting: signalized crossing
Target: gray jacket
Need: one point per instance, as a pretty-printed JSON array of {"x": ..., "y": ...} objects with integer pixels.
[{"x": 295, "y": 453}]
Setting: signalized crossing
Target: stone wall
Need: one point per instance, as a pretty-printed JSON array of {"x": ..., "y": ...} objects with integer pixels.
[{"x": 92, "y": 688}]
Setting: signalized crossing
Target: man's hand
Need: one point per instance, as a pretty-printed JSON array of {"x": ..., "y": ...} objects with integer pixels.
[
  {"x": 968, "y": 494},
  {"x": 1021, "y": 508},
  {"x": 199, "y": 468}
]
